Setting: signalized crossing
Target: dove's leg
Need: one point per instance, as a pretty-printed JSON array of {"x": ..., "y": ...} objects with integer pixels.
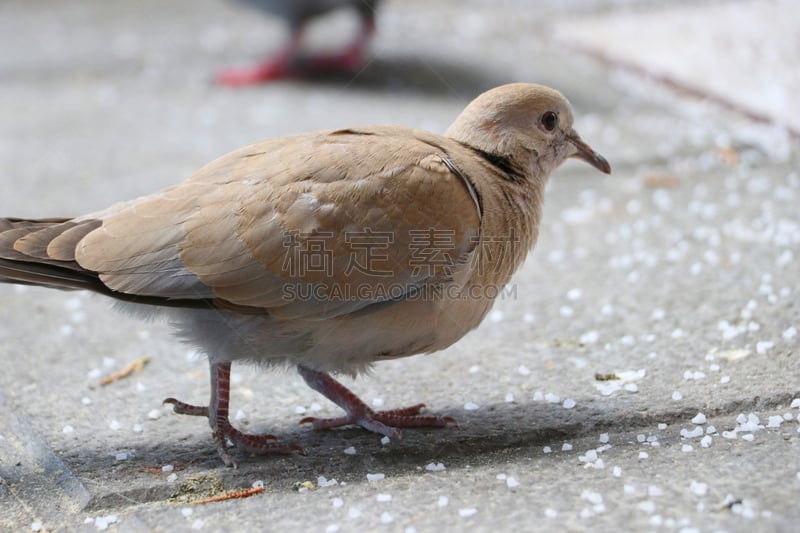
[
  {"x": 348, "y": 60},
  {"x": 289, "y": 62},
  {"x": 383, "y": 422},
  {"x": 275, "y": 67},
  {"x": 217, "y": 414}
]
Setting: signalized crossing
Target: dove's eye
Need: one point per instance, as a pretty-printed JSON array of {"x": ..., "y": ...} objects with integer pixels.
[{"x": 549, "y": 120}]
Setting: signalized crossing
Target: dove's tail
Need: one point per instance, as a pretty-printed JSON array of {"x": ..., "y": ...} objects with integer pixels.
[{"x": 42, "y": 252}]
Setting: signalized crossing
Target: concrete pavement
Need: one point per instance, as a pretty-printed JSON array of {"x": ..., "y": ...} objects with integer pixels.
[{"x": 678, "y": 274}]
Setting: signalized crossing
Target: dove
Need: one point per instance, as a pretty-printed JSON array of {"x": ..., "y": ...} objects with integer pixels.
[
  {"x": 326, "y": 251},
  {"x": 289, "y": 60}
]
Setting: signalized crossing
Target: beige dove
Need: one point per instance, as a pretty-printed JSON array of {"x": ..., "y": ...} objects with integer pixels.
[{"x": 328, "y": 251}]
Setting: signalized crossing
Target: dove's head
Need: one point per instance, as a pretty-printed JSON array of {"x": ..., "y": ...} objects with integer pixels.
[{"x": 528, "y": 124}]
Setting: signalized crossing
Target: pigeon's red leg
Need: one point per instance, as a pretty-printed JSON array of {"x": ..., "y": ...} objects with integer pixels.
[
  {"x": 350, "y": 59},
  {"x": 277, "y": 66},
  {"x": 383, "y": 422},
  {"x": 217, "y": 414}
]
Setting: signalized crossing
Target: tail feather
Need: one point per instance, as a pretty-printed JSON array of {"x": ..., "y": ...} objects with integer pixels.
[
  {"x": 26, "y": 258},
  {"x": 42, "y": 252}
]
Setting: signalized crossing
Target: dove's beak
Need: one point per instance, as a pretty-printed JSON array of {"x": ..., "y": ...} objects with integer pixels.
[{"x": 585, "y": 152}]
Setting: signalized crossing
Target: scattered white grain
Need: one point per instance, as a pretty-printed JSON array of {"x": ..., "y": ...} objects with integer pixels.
[
  {"x": 375, "y": 477},
  {"x": 435, "y": 467},
  {"x": 86, "y": 400},
  {"x": 496, "y": 316},
  {"x": 354, "y": 512},
  {"x": 552, "y": 513},
  {"x": 616, "y": 471},
  {"x": 698, "y": 488},
  {"x": 299, "y": 410},
  {"x": 629, "y": 489},
  {"x": 94, "y": 373},
  {"x": 646, "y": 506},
  {"x": 385, "y": 441},
  {"x": 607, "y": 310},
  {"x": 36, "y": 526},
  {"x": 101, "y": 523},
  {"x": 114, "y": 425},
  {"x": 774, "y": 421},
  {"x": 662, "y": 426},
  {"x": 523, "y": 370},
  {"x": 566, "y": 311},
  {"x": 467, "y": 512},
  {"x": 336, "y": 503},
  {"x": 749, "y": 423},
  {"x": 686, "y": 448},
  {"x": 789, "y": 333},
  {"x": 154, "y": 414},
  {"x": 512, "y": 483},
  {"x": 725, "y": 379},
  {"x": 350, "y": 450},
  {"x": 538, "y": 396},
  {"x": 509, "y": 397},
  {"x": 187, "y": 512},
  {"x": 547, "y": 449},
  {"x": 443, "y": 501},
  {"x": 795, "y": 404},
  {"x": 67, "y": 429},
  {"x": 763, "y": 347},
  {"x": 628, "y": 340},
  {"x": 787, "y": 416},
  {"x": 631, "y": 387},
  {"x": 643, "y": 455},
  {"x": 386, "y": 518},
  {"x": 240, "y": 415},
  {"x": 599, "y": 464},
  {"x": 699, "y": 418},
  {"x": 603, "y": 438},
  {"x": 748, "y": 437},
  {"x": 574, "y": 294},
  {"x": 198, "y": 523},
  {"x": 705, "y": 442},
  {"x": 590, "y": 337},
  {"x": 566, "y": 447},
  {"x": 657, "y": 314},
  {"x": 65, "y": 330},
  {"x": 172, "y": 477},
  {"x": 332, "y": 528},
  {"x": 383, "y": 497},
  {"x": 677, "y": 333},
  {"x": 552, "y": 398},
  {"x": 677, "y": 396},
  {"x": 697, "y": 431},
  {"x": 324, "y": 482},
  {"x": 590, "y": 457},
  {"x": 569, "y": 403},
  {"x": 167, "y": 468},
  {"x": 641, "y": 437},
  {"x": 471, "y": 406}
]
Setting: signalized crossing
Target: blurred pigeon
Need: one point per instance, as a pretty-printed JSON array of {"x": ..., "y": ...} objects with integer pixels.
[{"x": 289, "y": 61}]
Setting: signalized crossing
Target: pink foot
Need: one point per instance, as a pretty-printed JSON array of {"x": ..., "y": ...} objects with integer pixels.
[
  {"x": 385, "y": 423},
  {"x": 223, "y": 431},
  {"x": 244, "y": 76}
]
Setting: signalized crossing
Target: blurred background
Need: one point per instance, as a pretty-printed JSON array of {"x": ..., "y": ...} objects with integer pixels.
[
  {"x": 681, "y": 263},
  {"x": 122, "y": 98}
]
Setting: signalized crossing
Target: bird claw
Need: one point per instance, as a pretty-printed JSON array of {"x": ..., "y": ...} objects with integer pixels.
[
  {"x": 223, "y": 432},
  {"x": 386, "y": 423}
]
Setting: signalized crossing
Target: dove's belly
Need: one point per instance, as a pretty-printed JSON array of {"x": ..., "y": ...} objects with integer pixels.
[{"x": 347, "y": 344}]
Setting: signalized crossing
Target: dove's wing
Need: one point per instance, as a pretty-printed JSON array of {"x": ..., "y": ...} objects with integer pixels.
[{"x": 316, "y": 225}]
